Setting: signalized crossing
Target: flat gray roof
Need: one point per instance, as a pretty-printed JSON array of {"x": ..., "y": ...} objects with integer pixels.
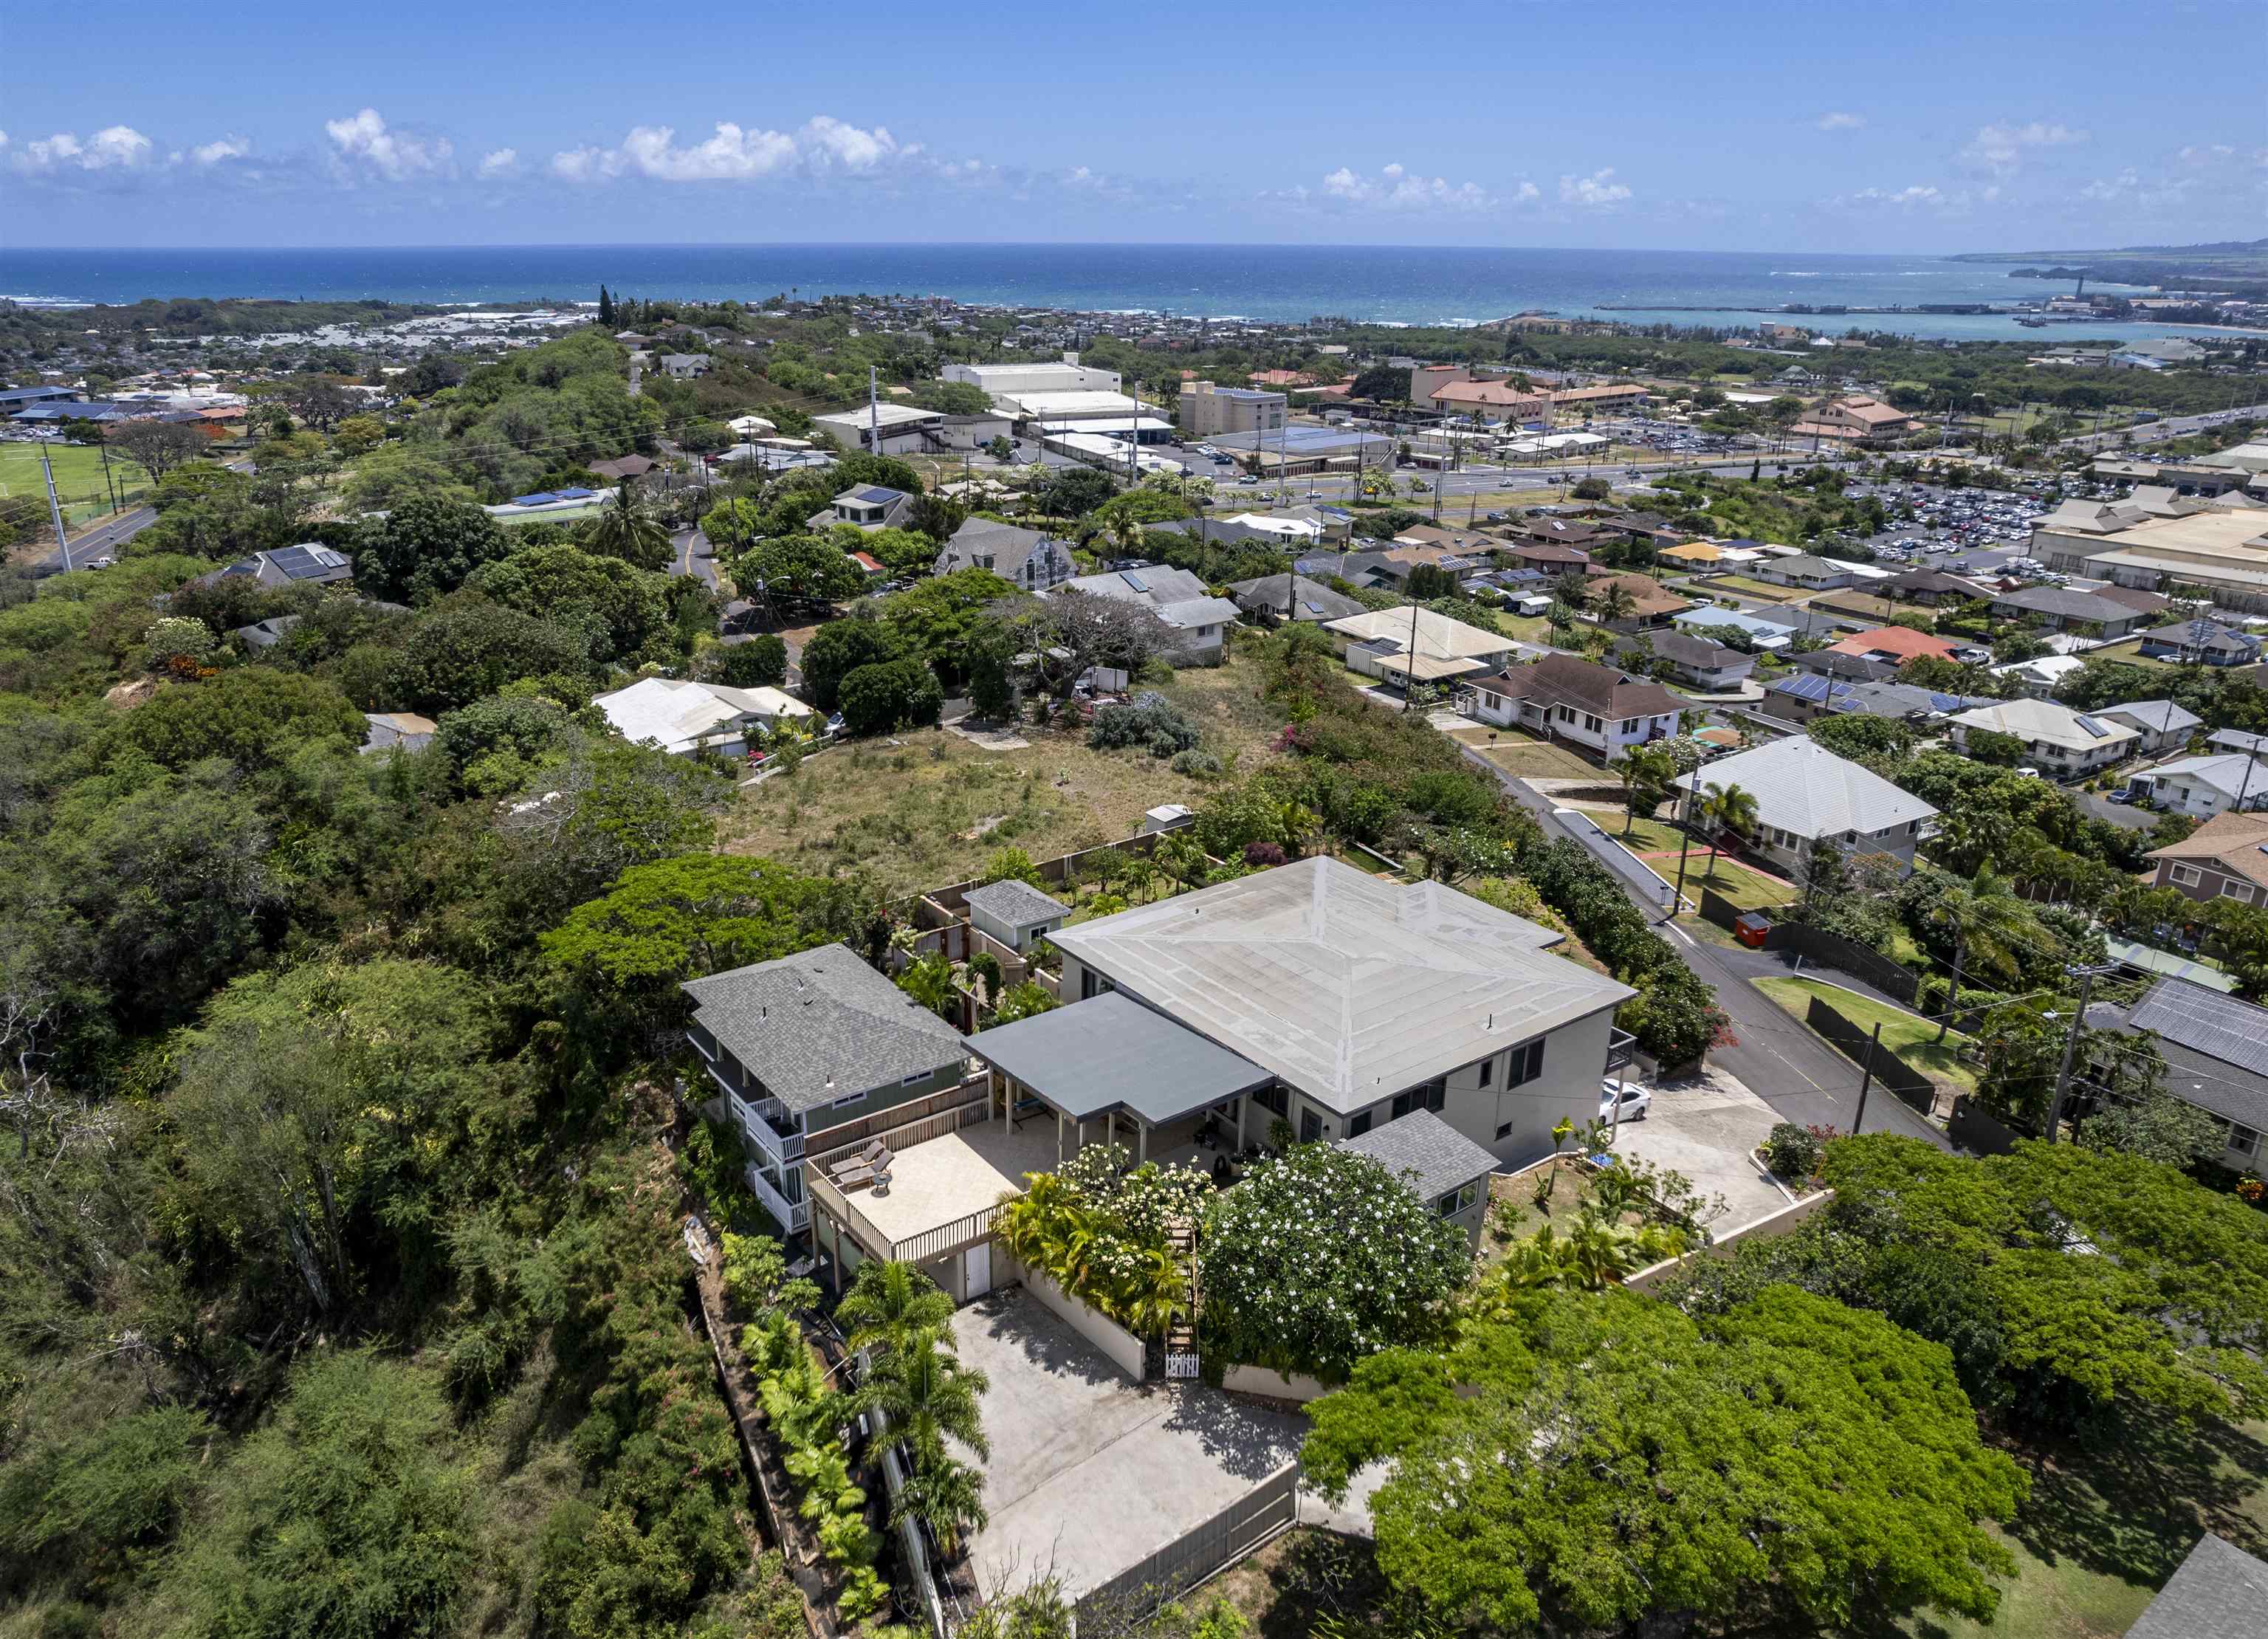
[
  {"x": 1348, "y": 987},
  {"x": 1111, "y": 1053},
  {"x": 1016, "y": 904},
  {"x": 1425, "y": 1152}
]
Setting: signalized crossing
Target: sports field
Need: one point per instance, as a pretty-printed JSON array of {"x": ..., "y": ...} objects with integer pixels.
[{"x": 79, "y": 481}]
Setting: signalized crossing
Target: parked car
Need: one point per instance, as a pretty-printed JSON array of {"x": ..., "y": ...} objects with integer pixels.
[{"x": 1635, "y": 1100}]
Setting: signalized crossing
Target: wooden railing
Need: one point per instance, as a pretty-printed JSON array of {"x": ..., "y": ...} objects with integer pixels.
[
  {"x": 829, "y": 1143},
  {"x": 952, "y": 1119},
  {"x": 966, "y": 1231}
]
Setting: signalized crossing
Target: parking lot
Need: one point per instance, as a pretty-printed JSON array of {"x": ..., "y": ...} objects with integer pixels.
[{"x": 1707, "y": 1129}]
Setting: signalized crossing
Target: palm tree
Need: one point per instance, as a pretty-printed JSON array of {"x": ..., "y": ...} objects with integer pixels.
[
  {"x": 1299, "y": 824},
  {"x": 1181, "y": 859},
  {"x": 891, "y": 1307},
  {"x": 1984, "y": 919},
  {"x": 1644, "y": 771},
  {"x": 1616, "y": 603},
  {"x": 627, "y": 530},
  {"x": 946, "y": 1496},
  {"x": 929, "y": 981},
  {"x": 927, "y": 1395},
  {"x": 1728, "y": 808}
]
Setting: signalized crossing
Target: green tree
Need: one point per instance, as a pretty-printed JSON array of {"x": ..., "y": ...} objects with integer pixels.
[
  {"x": 894, "y": 1309},
  {"x": 1726, "y": 810},
  {"x": 1987, "y": 922},
  {"x": 619, "y": 608},
  {"x": 838, "y": 648},
  {"x": 1609, "y": 1457},
  {"x": 352, "y": 1513},
  {"x": 1648, "y": 773},
  {"x": 252, "y": 716},
  {"x": 628, "y": 530},
  {"x": 760, "y": 662},
  {"x": 1381, "y": 384},
  {"x": 425, "y": 548},
  {"x": 471, "y": 647},
  {"x": 1076, "y": 491},
  {"x": 800, "y": 569},
  {"x": 928, "y": 1394},
  {"x": 2157, "y": 1129},
  {"x": 891, "y": 695}
]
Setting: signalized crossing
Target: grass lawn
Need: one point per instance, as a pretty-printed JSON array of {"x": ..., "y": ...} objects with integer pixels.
[
  {"x": 931, "y": 810},
  {"x": 1755, "y": 588},
  {"x": 2130, "y": 653},
  {"x": 1910, "y": 1038},
  {"x": 1750, "y": 890},
  {"x": 1522, "y": 754},
  {"x": 79, "y": 483}
]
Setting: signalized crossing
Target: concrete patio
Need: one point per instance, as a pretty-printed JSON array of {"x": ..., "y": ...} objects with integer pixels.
[{"x": 1089, "y": 1474}]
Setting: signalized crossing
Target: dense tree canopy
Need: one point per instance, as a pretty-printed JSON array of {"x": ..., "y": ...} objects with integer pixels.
[{"x": 425, "y": 548}]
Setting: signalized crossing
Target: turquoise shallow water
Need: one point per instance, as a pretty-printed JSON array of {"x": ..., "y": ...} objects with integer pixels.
[{"x": 1382, "y": 283}]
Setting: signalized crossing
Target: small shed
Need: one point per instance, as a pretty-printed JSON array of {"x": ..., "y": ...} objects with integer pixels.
[
  {"x": 1015, "y": 913},
  {"x": 1167, "y": 817}
]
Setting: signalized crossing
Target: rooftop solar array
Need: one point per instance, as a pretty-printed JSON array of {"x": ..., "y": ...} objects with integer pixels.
[
  {"x": 2219, "y": 1027},
  {"x": 305, "y": 563},
  {"x": 2095, "y": 730},
  {"x": 875, "y": 495}
]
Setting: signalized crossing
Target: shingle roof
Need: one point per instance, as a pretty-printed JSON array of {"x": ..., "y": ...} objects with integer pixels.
[
  {"x": 820, "y": 1025},
  {"x": 1016, "y": 904},
  {"x": 1802, "y": 787},
  {"x": 1425, "y": 1152},
  {"x": 2231, "y": 843},
  {"x": 2065, "y": 604},
  {"x": 1312, "y": 600},
  {"x": 2220, "y": 1593},
  {"x": 1599, "y": 689},
  {"x": 1348, "y": 987},
  {"x": 2160, "y": 716}
]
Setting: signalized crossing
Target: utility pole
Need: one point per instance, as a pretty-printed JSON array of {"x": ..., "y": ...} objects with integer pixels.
[
  {"x": 1684, "y": 844},
  {"x": 873, "y": 416},
  {"x": 2085, "y": 976},
  {"x": 1865, "y": 1080},
  {"x": 55, "y": 511},
  {"x": 1409, "y": 677}
]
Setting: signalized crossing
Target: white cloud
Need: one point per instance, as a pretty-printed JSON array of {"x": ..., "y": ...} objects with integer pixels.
[
  {"x": 734, "y": 153},
  {"x": 1395, "y": 188},
  {"x": 499, "y": 162},
  {"x": 2001, "y": 147},
  {"x": 1596, "y": 191},
  {"x": 2205, "y": 153},
  {"x": 1841, "y": 122},
  {"x": 224, "y": 149},
  {"x": 115, "y": 147},
  {"x": 4, "y": 139},
  {"x": 365, "y": 140},
  {"x": 1904, "y": 198}
]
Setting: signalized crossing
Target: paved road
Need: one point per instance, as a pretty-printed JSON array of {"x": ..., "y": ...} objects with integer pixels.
[
  {"x": 105, "y": 539},
  {"x": 1799, "y": 1075},
  {"x": 2175, "y": 426},
  {"x": 694, "y": 555}
]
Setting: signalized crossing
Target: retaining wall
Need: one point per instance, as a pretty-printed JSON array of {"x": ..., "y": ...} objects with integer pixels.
[
  {"x": 1116, "y": 1343},
  {"x": 1765, "y": 1228},
  {"x": 1272, "y": 1385}
]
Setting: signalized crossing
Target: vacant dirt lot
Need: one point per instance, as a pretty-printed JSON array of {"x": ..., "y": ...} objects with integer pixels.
[{"x": 923, "y": 809}]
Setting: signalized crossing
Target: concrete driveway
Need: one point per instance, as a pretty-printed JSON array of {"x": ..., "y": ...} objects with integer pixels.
[
  {"x": 1090, "y": 1474},
  {"x": 1705, "y": 1128}
]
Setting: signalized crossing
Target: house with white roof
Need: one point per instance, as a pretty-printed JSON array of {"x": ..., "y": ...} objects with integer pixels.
[
  {"x": 1399, "y": 645},
  {"x": 2161, "y": 723},
  {"x": 2058, "y": 741},
  {"x": 2202, "y": 787},
  {"x": 1805, "y": 794},
  {"x": 682, "y": 716}
]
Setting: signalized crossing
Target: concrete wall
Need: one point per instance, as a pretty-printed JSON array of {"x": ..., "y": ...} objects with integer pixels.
[
  {"x": 1114, "y": 1341},
  {"x": 1272, "y": 1385},
  {"x": 1766, "y": 1228}
]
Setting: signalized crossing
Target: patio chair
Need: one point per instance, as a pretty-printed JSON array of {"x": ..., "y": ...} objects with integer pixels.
[
  {"x": 853, "y": 1175},
  {"x": 875, "y": 1153}
]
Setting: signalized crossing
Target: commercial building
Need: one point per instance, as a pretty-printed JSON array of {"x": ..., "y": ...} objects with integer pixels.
[
  {"x": 1619, "y": 395},
  {"x": 884, "y": 429},
  {"x": 1856, "y": 420},
  {"x": 1207, "y": 410},
  {"x": 1015, "y": 380},
  {"x": 2220, "y": 549},
  {"x": 1296, "y": 448},
  {"x": 1493, "y": 401},
  {"x": 1805, "y": 794}
]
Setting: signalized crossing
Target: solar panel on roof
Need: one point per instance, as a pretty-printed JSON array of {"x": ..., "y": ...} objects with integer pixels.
[
  {"x": 2094, "y": 728},
  {"x": 874, "y": 495},
  {"x": 1133, "y": 580}
]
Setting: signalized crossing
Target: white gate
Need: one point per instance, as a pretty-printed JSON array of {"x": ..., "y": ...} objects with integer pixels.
[{"x": 976, "y": 1267}]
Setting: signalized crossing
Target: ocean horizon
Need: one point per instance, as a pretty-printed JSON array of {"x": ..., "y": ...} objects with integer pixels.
[{"x": 1416, "y": 285}]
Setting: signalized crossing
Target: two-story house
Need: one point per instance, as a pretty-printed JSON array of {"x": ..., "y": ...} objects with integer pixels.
[
  {"x": 1805, "y": 795},
  {"x": 1031, "y": 559},
  {"x": 868, "y": 507},
  {"x": 2226, "y": 857},
  {"x": 1565, "y": 698},
  {"x": 812, "y": 1051}
]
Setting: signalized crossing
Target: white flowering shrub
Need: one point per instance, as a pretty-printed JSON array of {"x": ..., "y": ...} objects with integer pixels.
[{"x": 1322, "y": 1257}]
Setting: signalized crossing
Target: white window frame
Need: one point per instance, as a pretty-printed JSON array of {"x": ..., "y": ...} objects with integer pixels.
[
  {"x": 2186, "y": 875},
  {"x": 919, "y": 1074},
  {"x": 2243, "y": 1139}
]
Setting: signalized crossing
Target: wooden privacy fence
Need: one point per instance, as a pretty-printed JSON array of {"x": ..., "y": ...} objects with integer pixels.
[
  {"x": 1913, "y": 1088},
  {"x": 1715, "y": 907},
  {"x": 1138, "y": 1593},
  {"x": 1893, "y": 979}
]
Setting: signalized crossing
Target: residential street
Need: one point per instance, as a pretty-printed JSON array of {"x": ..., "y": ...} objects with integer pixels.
[{"x": 1799, "y": 1075}]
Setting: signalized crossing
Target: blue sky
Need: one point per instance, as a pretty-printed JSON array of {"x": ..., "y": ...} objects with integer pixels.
[{"x": 2010, "y": 124}]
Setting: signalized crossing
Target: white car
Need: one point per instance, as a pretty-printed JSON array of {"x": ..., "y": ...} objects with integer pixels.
[{"x": 1635, "y": 1100}]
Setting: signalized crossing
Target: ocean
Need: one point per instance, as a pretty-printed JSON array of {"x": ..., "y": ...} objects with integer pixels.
[{"x": 1410, "y": 284}]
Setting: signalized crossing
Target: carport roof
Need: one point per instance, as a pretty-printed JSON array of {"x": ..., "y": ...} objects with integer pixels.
[{"x": 1111, "y": 1053}]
